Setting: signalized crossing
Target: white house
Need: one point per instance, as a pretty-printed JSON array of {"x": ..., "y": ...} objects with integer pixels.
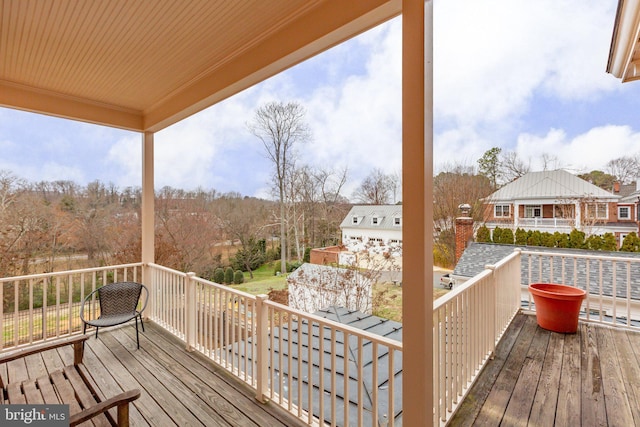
[{"x": 372, "y": 225}]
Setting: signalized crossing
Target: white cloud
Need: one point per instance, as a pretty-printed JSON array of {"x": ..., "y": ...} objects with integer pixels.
[
  {"x": 582, "y": 153},
  {"x": 492, "y": 56}
]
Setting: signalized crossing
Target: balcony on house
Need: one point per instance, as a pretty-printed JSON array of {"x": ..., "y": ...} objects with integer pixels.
[{"x": 211, "y": 353}]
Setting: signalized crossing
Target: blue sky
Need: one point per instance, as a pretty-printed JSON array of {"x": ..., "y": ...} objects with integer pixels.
[{"x": 521, "y": 75}]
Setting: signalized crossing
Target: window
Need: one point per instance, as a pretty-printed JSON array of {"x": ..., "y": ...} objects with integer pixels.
[
  {"x": 533, "y": 211},
  {"x": 355, "y": 219},
  {"x": 375, "y": 220},
  {"x": 397, "y": 221},
  {"x": 597, "y": 211},
  {"x": 624, "y": 212},
  {"x": 395, "y": 241},
  {"x": 501, "y": 211}
]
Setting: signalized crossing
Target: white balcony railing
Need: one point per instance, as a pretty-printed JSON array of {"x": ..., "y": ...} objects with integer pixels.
[
  {"x": 546, "y": 222},
  {"x": 299, "y": 360},
  {"x": 44, "y": 306},
  {"x": 612, "y": 283},
  {"x": 468, "y": 322},
  {"x": 295, "y": 359}
]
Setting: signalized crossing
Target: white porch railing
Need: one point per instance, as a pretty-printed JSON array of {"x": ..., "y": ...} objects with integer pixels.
[
  {"x": 44, "y": 306},
  {"x": 468, "y": 322},
  {"x": 612, "y": 283},
  {"x": 295, "y": 359},
  {"x": 546, "y": 222}
]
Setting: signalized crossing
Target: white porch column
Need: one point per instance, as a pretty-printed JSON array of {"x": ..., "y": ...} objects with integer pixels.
[
  {"x": 578, "y": 216},
  {"x": 417, "y": 201},
  {"x": 147, "y": 208},
  {"x": 516, "y": 215}
]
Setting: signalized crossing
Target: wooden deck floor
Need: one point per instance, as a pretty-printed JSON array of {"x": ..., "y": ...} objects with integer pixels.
[
  {"x": 178, "y": 388},
  {"x": 541, "y": 378}
]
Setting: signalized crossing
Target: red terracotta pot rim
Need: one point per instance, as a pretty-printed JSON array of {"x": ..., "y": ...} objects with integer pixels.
[{"x": 553, "y": 290}]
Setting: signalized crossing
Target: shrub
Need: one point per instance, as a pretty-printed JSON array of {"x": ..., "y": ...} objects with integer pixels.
[
  {"x": 560, "y": 240},
  {"x": 594, "y": 242},
  {"x": 483, "y": 235},
  {"x": 535, "y": 239},
  {"x": 576, "y": 239},
  {"x": 218, "y": 275},
  {"x": 497, "y": 235},
  {"x": 609, "y": 242},
  {"x": 546, "y": 239},
  {"x": 228, "y": 276},
  {"x": 506, "y": 237},
  {"x": 238, "y": 277},
  {"x": 631, "y": 243},
  {"x": 307, "y": 255},
  {"x": 521, "y": 237}
]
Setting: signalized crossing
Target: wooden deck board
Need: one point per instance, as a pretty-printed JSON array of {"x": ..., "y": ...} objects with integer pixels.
[
  {"x": 593, "y": 410},
  {"x": 589, "y": 378},
  {"x": 499, "y": 396},
  {"x": 178, "y": 387},
  {"x": 472, "y": 404}
]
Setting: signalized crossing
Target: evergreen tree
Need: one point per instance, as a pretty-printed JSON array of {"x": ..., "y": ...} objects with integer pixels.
[
  {"x": 521, "y": 237},
  {"x": 228, "y": 276},
  {"x": 576, "y": 239},
  {"x": 483, "y": 235},
  {"x": 497, "y": 235},
  {"x": 631, "y": 243}
]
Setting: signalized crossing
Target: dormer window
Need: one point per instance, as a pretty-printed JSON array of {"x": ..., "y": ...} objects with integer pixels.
[
  {"x": 355, "y": 220},
  {"x": 375, "y": 220},
  {"x": 397, "y": 221}
]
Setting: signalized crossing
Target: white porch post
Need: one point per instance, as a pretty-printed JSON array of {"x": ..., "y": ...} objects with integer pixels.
[
  {"x": 417, "y": 200},
  {"x": 578, "y": 216},
  {"x": 516, "y": 213},
  {"x": 147, "y": 212}
]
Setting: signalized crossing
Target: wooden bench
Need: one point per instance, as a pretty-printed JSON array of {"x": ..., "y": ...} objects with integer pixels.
[{"x": 70, "y": 385}]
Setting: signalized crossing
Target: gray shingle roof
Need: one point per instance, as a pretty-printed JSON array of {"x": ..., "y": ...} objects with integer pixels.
[
  {"x": 385, "y": 213},
  {"x": 556, "y": 185},
  {"x": 546, "y": 269},
  {"x": 373, "y": 324}
]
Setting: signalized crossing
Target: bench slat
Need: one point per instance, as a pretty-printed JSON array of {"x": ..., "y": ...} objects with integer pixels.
[
  {"x": 31, "y": 393},
  {"x": 14, "y": 394},
  {"x": 46, "y": 389},
  {"x": 84, "y": 394}
]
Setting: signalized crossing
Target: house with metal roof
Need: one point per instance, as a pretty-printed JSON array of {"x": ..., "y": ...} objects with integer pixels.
[
  {"x": 372, "y": 225},
  {"x": 560, "y": 201}
]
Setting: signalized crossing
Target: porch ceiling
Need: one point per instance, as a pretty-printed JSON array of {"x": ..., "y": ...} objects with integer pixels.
[
  {"x": 624, "y": 54},
  {"x": 145, "y": 64}
]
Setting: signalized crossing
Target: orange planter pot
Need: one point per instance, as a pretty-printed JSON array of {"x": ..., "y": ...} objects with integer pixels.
[{"x": 557, "y": 306}]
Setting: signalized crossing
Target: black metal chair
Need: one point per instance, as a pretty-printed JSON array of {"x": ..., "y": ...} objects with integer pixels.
[{"x": 117, "y": 303}]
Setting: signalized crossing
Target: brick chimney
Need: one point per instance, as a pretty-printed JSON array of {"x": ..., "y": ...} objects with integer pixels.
[
  {"x": 616, "y": 187},
  {"x": 464, "y": 230}
]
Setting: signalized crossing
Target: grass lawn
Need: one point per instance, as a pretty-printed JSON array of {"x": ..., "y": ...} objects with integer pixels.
[{"x": 263, "y": 281}]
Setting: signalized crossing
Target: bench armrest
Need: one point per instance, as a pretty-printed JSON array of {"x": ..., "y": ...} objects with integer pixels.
[
  {"x": 121, "y": 401},
  {"x": 77, "y": 341}
]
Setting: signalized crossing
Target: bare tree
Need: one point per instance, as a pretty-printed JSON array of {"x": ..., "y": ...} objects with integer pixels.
[
  {"x": 626, "y": 168},
  {"x": 280, "y": 126},
  {"x": 550, "y": 162},
  {"x": 512, "y": 166},
  {"x": 456, "y": 185},
  {"x": 376, "y": 189}
]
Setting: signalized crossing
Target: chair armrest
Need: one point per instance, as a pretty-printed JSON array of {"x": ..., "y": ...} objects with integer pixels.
[
  {"x": 121, "y": 399},
  {"x": 77, "y": 341}
]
